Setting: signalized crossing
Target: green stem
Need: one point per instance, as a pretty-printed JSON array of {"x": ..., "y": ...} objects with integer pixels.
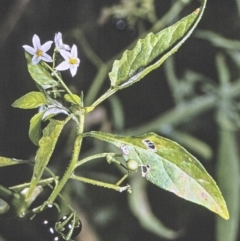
[
  {"x": 43, "y": 182},
  {"x": 54, "y": 59},
  {"x": 73, "y": 162},
  {"x": 104, "y": 96},
  {"x": 101, "y": 184},
  {"x": 122, "y": 179},
  {"x": 87, "y": 159}
]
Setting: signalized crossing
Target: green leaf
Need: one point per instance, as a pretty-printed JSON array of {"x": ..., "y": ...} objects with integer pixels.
[
  {"x": 171, "y": 167},
  {"x": 30, "y": 100},
  {"x": 150, "y": 52},
  {"x": 73, "y": 99},
  {"x": 46, "y": 147},
  {"x": 35, "y": 130},
  {"x": 40, "y": 74},
  {"x": 5, "y": 161}
]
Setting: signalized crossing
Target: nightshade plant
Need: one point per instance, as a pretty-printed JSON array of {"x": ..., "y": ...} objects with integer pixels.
[{"x": 159, "y": 160}]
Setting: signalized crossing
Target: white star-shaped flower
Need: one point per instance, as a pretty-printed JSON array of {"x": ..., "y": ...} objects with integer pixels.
[
  {"x": 71, "y": 60},
  {"x": 39, "y": 51},
  {"x": 59, "y": 42}
]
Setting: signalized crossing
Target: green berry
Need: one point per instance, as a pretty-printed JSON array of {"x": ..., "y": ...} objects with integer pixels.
[{"x": 132, "y": 165}]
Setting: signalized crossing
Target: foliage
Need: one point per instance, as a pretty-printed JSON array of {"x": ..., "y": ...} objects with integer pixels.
[{"x": 150, "y": 156}]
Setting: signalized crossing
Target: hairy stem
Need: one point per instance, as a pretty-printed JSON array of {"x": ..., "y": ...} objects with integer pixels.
[{"x": 73, "y": 162}]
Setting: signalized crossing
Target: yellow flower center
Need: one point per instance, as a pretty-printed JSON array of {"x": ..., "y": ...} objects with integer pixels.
[
  {"x": 39, "y": 52},
  {"x": 72, "y": 61}
]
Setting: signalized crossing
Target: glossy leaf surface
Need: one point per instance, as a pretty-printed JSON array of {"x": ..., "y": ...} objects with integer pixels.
[
  {"x": 5, "y": 161},
  {"x": 35, "y": 131},
  {"x": 45, "y": 150},
  {"x": 40, "y": 74},
  {"x": 30, "y": 101},
  {"x": 150, "y": 52},
  {"x": 171, "y": 167}
]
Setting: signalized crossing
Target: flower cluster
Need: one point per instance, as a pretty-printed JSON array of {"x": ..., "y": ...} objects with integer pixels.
[{"x": 70, "y": 55}]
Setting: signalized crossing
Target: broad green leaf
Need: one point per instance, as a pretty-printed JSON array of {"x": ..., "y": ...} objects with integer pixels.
[
  {"x": 74, "y": 99},
  {"x": 5, "y": 161},
  {"x": 171, "y": 167},
  {"x": 30, "y": 100},
  {"x": 39, "y": 73},
  {"x": 45, "y": 150},
  {"x": 150, "y": 52},
  {"x": 228, "y": 173},
  {"x": 35, "y": 130}
]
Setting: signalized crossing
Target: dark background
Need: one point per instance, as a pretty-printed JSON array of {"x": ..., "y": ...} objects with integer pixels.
[{"x": 19, "y": 20}]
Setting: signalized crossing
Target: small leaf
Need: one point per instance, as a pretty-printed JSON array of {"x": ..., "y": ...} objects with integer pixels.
[
  {"x": 5, "y": 161},
  {"x": 30, "y": 100},
  {"x": 45, "y": 150},
  {"x": 40, "y": 74},
  {"x": 73, "y": 99},
  {"x": 150, "y": 52},
  {"x": 35, "y": 130},
  {"x": 171, "y": 167}
]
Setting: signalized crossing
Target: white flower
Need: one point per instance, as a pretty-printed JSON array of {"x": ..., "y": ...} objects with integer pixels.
[
  {"x": 71, "y": 60},
  {"x": 59, "y": 42},
  {"x": 39, "y": 51}
]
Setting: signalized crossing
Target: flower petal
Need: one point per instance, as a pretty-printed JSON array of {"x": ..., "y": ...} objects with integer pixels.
[
  {"x": 78, "y": 62},
  {"x": 36, "y": 42},
  {"x": 65, "y": 54},
  {"x": 29, "y": 49},
  {"x": 63, "y": 66},
  {"x": 45, "y": 47},
  {"x": 74, "y": 51},
  {"x": 73, "y": 70},
  {"x": 36, "y": 59},
  {"x": 46, "y": 57},
  {"x": 57, "y": 39},
  {"x": 66, "y": 47}
]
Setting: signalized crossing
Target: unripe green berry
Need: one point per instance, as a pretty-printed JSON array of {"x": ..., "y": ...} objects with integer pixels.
[{"x": 132, "y": 165}]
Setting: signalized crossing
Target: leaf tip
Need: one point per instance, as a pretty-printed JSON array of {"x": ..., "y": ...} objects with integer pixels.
[
  {"x": 225, "y": 215},
  {"x": 197, "y": 11}
]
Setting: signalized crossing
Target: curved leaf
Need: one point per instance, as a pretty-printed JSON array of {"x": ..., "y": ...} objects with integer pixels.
[
  {"x": 31, "y": 100},
  {"x": 171, "y": 167},
  {"x": 35, "y": 130},
  {"x": 40, "y": 74},
  {"x": 137, "y": 63},
  {"x": 45, "y": 150},
  {"x": 5, "y": 161}
]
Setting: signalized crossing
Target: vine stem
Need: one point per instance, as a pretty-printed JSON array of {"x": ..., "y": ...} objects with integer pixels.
[{"x": 73, "y": 162}]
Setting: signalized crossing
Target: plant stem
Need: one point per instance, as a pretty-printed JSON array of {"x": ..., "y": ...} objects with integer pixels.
[
  {"x": 101, "y": 184},
  {"x": 73, "y": 162},
  {"x": 43, "y": 182},
  {"x": 87, "y": 159},
  {"x": 104, "y": 96}
]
